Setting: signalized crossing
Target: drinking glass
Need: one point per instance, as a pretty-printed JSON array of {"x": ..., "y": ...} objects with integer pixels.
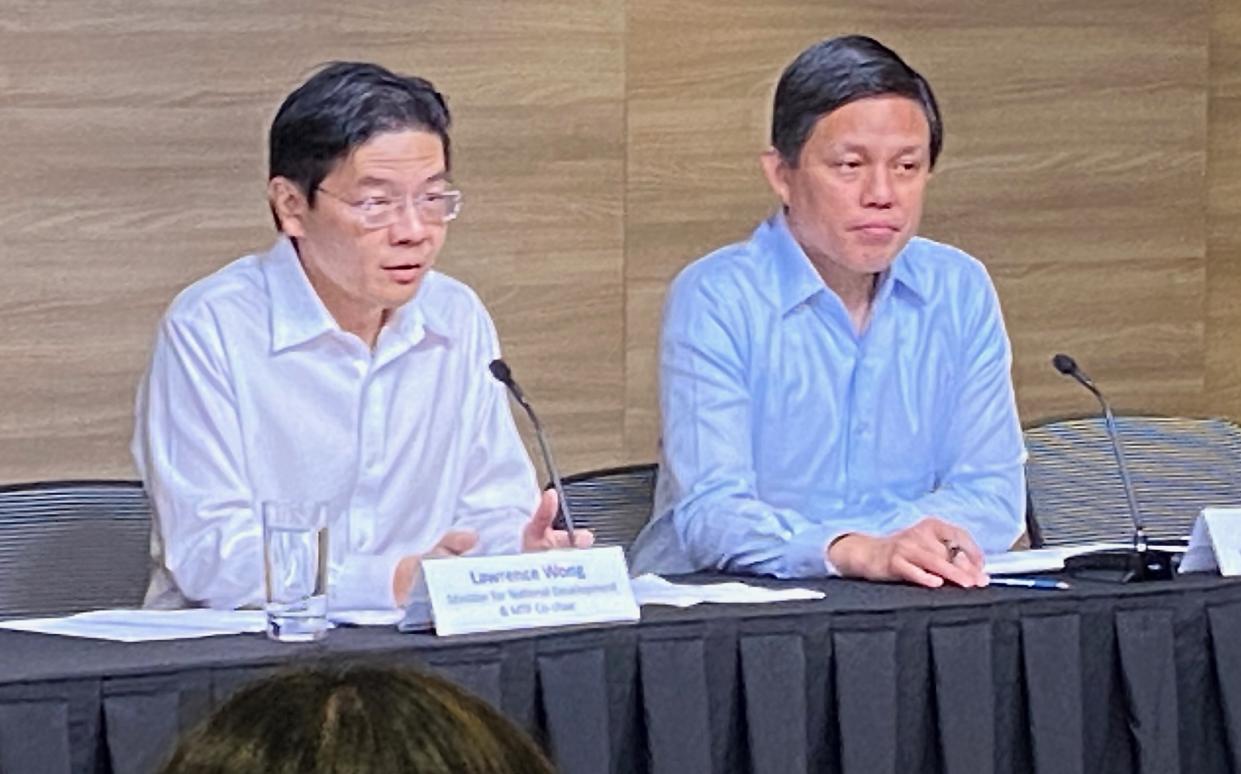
[{"x": 295, "y": 570}]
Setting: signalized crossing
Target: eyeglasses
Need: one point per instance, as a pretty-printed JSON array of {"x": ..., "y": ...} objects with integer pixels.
[{"x": 382, "y": 211}]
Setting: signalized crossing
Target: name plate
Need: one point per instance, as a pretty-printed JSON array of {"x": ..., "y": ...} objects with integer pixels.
[
  {"x": 519, "y": 591},
  {"x": 1215, "y": 542}
]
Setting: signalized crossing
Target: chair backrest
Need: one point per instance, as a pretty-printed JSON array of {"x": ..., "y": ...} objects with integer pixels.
[
  {"x": 1178, "y": 466},
  {"x": 1034, "y": 532},
  {"x": 69, "y": 546},
  {"x": 614, "y": 503}
]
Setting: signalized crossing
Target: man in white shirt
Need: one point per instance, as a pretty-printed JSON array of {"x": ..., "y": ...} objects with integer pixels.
[{"x": 338, "y": 367}]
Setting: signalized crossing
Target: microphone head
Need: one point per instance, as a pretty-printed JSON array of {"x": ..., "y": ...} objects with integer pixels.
[
  {"x": 1064, "y": 364},
  {"x": 500, "y": 370}
]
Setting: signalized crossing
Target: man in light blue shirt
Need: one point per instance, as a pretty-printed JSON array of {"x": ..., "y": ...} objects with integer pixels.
[{"x": 836, "y": 392}]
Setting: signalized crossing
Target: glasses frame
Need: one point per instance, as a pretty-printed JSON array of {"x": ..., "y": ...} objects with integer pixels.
[{"x": 363, "y": 210}]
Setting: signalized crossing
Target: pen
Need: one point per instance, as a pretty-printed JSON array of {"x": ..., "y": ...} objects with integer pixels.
[{"x": 1031, "y": 583}]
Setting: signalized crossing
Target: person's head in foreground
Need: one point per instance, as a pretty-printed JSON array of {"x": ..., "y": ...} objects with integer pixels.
[
  {"x": 358, "y": 720},
  {"x": 855, "y": 133}
]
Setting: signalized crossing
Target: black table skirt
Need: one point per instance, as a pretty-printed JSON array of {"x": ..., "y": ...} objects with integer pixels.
[{"x": 875, "y": 679}]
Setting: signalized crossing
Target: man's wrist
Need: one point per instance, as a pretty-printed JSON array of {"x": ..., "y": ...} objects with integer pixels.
[
  {"x": 403, "y": 579},
  {"x": 846, "y": 554}
]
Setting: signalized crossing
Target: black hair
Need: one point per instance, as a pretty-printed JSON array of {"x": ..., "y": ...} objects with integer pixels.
[
  {"x": 342, "y": 106},
  {"x": 834, "y": 72}
]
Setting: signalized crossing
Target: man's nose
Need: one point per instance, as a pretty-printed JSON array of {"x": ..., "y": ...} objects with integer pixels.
[
  {"x": 410, "y": 225},
  {"x": 878, "y": 191}
]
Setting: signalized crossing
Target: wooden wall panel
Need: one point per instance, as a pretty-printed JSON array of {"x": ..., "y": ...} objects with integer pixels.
[
  {"x": 1073, "y": 167},
  {"x": 134, "y": 147},
  {"x": 1223, "y": 312},
  {"x": 1092, "y": 161}
]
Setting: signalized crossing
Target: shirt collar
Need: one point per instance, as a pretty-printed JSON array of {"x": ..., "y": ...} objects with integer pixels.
[
  {"x": 298, "y": 314},
  {"x": 797, "y": 280},
  {"x": 909, "y": 271},
  {"x": 419, "y": 317}
]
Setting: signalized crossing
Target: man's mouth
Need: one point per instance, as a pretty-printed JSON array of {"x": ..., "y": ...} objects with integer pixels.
[
  {"x": 876, "y": 225},
  {"x": 876, "y": 231},
  {"x": 403, "y": 273}
]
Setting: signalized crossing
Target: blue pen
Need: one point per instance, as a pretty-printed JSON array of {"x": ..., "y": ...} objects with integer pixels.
[{"x": 1031, "y": 583}]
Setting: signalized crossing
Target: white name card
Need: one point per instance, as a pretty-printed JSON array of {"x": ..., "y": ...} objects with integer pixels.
[
  {"x": 519, "y": 591},
  {"x": 1215, "y": 542}
]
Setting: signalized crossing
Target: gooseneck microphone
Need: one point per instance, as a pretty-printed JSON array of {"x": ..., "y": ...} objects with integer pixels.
[
  {"x": 1068, "y": 366},
  {"x": 1140, "y": 563},
  {"x": 504, "y": 375}
]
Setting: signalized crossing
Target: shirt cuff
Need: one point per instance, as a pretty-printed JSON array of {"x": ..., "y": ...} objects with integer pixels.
[
  {"x": 806, "y": 553},
  {"x": 364, "y": 582}
]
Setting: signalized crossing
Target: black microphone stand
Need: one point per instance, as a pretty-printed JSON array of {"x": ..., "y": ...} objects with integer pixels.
[
  {"x": 1119, "y": 565},
  {"x": 500, "y": 370}
]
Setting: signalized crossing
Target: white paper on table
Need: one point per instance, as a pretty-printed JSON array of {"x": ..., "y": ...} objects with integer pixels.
[
  {"x": 366, "y": 617},
  {"x": 155, "y": 625},
  {"x": 651, "y": 589},
  {"x": 145, "y": 625},
  {"x": 1044, "y": 559}
]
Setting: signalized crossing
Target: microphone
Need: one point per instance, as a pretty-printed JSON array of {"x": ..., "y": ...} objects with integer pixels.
[
  {"x": 504, "y": 375},
  {"x": 1068, "y": 366},
  {"x": 1141, "y": 563}
]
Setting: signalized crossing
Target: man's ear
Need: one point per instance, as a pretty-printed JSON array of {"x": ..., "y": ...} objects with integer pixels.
[
  {"x": 775, "y": 170},
  {"x": 289, "y": 204}
]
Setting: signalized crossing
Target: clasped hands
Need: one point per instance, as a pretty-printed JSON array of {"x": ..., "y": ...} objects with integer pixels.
[
  {"x": 928, "y": 553},
  {"x": 537, "y": 535}
]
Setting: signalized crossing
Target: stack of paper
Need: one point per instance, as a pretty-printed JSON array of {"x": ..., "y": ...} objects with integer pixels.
[
  {"x": 654, "y": 590},
  {"x": 1041, "y": 559},
  {"x": 145, "y": 625},
  {"x": 154, "y": 625}
]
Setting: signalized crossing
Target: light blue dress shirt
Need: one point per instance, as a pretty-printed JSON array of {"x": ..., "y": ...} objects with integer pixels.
[{"x": 783, "y": 428}]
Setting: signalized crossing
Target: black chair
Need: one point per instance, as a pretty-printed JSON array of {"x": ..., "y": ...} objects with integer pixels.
[
  {"x": 70, "y": 546},
  {"x": 1034, "y": 533},
  {"x": 1178, "y": 465},
  {"x": 614, "y": 503}
]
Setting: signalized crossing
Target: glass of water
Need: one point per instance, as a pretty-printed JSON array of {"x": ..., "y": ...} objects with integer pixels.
[{"x": 295, "y": 570}]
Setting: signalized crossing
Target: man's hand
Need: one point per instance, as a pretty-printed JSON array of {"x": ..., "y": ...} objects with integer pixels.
[
  {"x": 538, "y": 534},
  {"x": 455, "y": 542},
  {"x": 928, "y": 553}
]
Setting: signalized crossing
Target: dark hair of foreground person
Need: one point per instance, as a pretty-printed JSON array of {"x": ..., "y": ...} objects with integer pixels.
[{"x": 356, "y": 720}]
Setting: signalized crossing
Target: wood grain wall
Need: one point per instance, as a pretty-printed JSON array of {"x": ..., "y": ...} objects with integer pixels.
[
  {"x": 1073, "y": 166},
  {"x": 133, "y": 147},
  {"x": 1091, "y": 162},
  {"x": 1222, "y": 387}
]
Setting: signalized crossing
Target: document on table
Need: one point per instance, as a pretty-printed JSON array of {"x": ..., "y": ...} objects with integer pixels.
[
  {"x": 1043, "y": 559},
  {"x": 154, "y": 625},
  {"x": 653, "y": 590},
  {"x": 145, "y": 625}
]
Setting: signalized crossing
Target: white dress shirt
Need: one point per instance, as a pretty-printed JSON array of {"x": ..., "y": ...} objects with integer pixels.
[{"x": 254, "y": 393}]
